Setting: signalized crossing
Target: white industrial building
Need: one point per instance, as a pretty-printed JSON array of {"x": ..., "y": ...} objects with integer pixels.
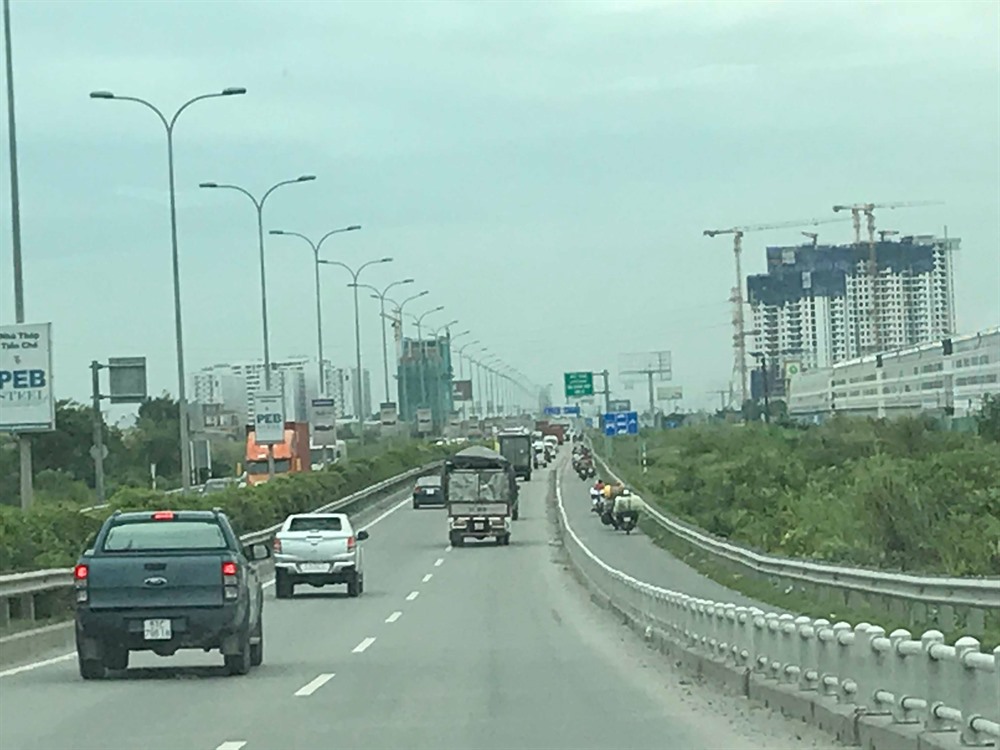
[
  {"x": 814, "y": 306},
  {"x": 947, "y": 377}
]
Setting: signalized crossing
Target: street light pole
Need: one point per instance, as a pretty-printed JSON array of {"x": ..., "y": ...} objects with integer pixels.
[
  {"x": 423, "y": 351},
  {"x": 259, "y": 206},
  {"x": 404, "y": 394},
  {"x": 168, "y": 124},
  {"x": 316, "y": 247},
  {"x": 381, "y": 297},
  {"x": 23, "y": 440},
  {"x": 461, "y": 373},
  {"x": 359, "y": 377}
]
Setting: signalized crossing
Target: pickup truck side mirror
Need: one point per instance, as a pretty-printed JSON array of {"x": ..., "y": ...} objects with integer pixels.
[
  {"x": 259, "y": 552},
  {"x": 362, "y": 535}
]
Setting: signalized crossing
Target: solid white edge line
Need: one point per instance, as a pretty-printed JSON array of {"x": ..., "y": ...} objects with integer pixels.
[
  {"x": 363, "y": 646},
  {"x": 232, "y": 745},
  {"x": 314, "y": 685},
  {"x": 267, "y": 584},
  {"x": 37, "y": 665},
  {"x": 428, "y": 577},
  {"x": 412, "y": 595},
  {"x": 439, "y": 562},
  {"x": 394, "y": 616}
]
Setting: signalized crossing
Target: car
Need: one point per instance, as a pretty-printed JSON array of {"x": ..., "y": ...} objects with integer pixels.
[
  {"x": 427, "y": 491},
  {"x": 319, "y": 549},
  {"x": 168, "y": 580}
]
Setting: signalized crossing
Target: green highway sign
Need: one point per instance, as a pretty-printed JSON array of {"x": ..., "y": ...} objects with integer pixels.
[{"x": 579, "y": 384}]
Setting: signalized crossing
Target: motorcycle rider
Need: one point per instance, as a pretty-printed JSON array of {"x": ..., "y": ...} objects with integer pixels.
[
  {"x": 626, "y": 508},
  {"x": 596, "y": 493}
]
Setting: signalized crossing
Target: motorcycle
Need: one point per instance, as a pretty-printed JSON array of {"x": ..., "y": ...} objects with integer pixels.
[{"x": 627, "y": 521}]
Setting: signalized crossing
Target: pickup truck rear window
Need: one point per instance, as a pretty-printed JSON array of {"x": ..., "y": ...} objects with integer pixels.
[
  {"x": 164, "y": 535},
  {"x": 315, "y": 524}
]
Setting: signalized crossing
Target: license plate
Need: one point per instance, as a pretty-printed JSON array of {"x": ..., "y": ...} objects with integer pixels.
[
  {"x": 480, "y": 526},
  {"x": 314, "y": 567},
  {"x": 157, "y": 630}
]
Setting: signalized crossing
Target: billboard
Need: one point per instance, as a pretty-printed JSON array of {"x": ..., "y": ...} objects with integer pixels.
[
  {"x": 425, "y": 421},
  {"x": 324, "y": 422},
  {"x": 127, "y": 376},
  {"x": 669, "y": 393},
  {"x": 461, "y": 390},
  {"x": 620, "y": 405},
  {"x": 387, "y": 413},
  {"x": 27, "y": 403},
  {"x": 269, "y": 417}
]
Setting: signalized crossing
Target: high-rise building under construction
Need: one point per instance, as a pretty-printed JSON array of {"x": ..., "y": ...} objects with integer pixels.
[{"x": 819, "y": 305}]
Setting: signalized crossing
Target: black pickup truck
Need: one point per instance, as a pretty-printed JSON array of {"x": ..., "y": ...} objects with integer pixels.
[{"x": 167, "y": 580}]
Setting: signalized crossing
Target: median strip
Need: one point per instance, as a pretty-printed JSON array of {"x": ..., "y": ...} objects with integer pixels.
[{"x": 314, "y": 685}]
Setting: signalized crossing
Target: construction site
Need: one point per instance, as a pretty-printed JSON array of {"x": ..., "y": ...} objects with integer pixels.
[{"x": 821, "y": 304}]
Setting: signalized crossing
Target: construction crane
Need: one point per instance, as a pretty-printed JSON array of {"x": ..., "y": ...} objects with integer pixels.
[
  {"x": 739, "y": 323},
  {"x": 814, "y": 236},
  {"x": 883, "y": 233},
  {"x": 868, "y": 209}
]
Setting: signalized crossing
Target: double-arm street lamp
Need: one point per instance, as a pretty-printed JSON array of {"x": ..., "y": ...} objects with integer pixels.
[
  {"x": 423, "y": 351},
  {"x": 258, "y": 204},
  {"x": 168, "y": 125},
  {"x": 359, "y": 378},
  {"x": 380, "y": 296},
  {"x": 404, "y": 394},
  {"x": 316, "y": 247}
]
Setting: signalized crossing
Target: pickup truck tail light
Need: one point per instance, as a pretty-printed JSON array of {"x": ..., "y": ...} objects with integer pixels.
[
  {"x": 230, "y": 584},
  {"x": 80, "y": 575},
  {"x": 277, "y": 546},
  {"x": 351, "y": 541}
]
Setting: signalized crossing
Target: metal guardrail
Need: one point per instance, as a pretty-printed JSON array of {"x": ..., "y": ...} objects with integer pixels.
[
  {"x": 25, "y": 586},
  {"x": 920, "y": 681},
  {"x": 977, "y": 593}
]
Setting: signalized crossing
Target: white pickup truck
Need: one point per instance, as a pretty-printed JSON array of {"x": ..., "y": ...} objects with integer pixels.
[{"x": 318, "y": 549}]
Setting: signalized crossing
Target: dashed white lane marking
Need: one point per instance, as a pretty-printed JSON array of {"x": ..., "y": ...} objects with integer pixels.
[
  {"x": 232, "y": 745},
  {"x": 439, "y": 562},
  {"x": 448, "y": 548},
  {"x": 412, "y": 595},
  {"x": 363, "y": 646},
  {"x": 428, "y": 577},
  {"x": 314, "y": 685},
  {"x": 394, "y": 616},
  {"x": 36, "y": 665}
]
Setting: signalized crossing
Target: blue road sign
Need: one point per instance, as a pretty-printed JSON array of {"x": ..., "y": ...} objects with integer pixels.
[
  {"x": 589, "y": 422},
  {"x": 571, "y": 410},
  {"x": 553, "y": 411},
  {"x": 621, "y": 423}
]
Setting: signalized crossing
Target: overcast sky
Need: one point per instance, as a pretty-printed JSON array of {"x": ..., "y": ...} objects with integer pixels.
[{"x": 544, "y": 169}]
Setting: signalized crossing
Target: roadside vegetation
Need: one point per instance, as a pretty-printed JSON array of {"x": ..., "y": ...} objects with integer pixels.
[
  {"x": 53, "y": 533},
  {"x": 894, "y": 495}
]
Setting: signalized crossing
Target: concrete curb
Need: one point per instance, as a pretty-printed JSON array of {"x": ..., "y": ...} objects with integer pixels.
[{"x": 851, "y": 726}]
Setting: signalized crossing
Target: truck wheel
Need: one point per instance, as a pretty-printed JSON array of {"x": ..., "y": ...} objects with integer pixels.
[
  {"x": 353, "y": 589},
  {"x": 454, "y": 538},
  {"x": 239, "y": 664},
  {"x": 506, "y": 540},
  {"x": 361, "y": 584},
  {"x": 517, "y": 513},
  {"x": 257, "y": 649},
  {"x": 283, "y": 588},
  {"x": 115, "y": 657},
  {"x": 92, "y": 669}
]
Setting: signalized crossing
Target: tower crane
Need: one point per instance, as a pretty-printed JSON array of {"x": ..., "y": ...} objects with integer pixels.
[
  {"x": 814, "y": 236},
  {"x": 739, "y": 323},
  {"x": 868, "y": 209}
]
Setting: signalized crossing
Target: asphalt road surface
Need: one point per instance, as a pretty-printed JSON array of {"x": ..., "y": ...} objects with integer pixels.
[
  {"x": 637, "y": 555},
  {"x": 475, "y": 647}
]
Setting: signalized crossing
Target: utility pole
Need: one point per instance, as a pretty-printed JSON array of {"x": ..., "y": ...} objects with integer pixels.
[{"x": 23, "y": 440}]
